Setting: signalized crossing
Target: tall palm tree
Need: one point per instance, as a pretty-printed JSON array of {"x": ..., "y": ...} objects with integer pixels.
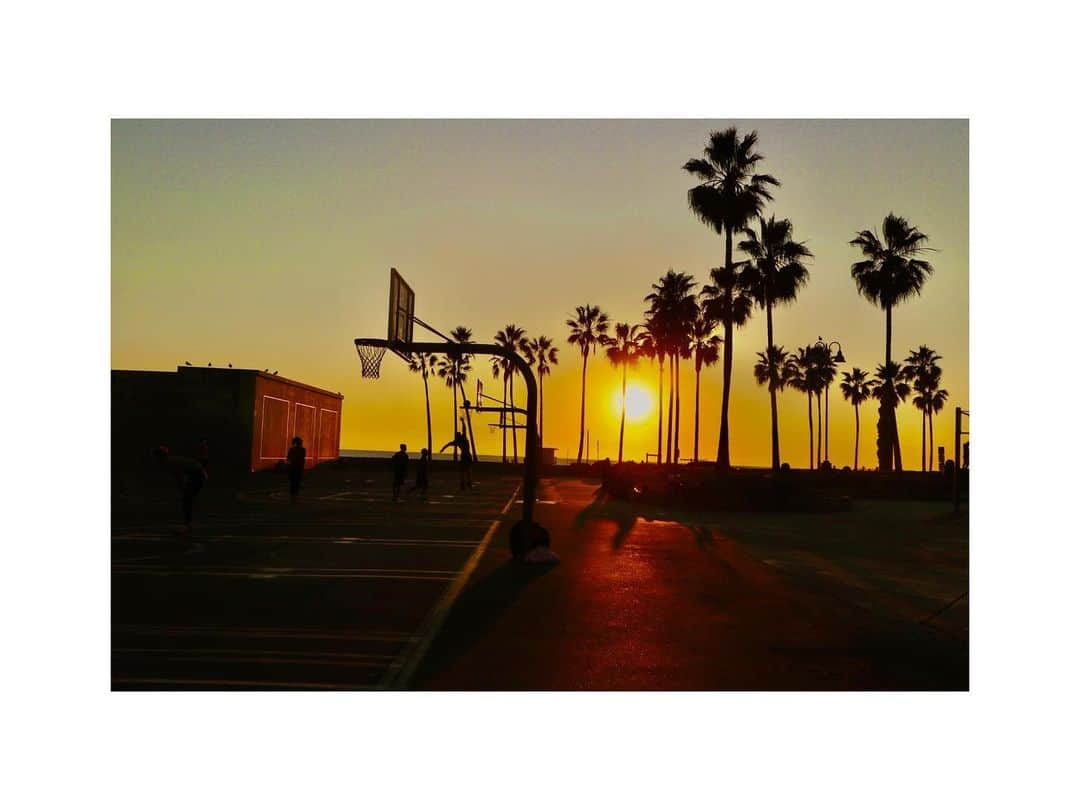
[
  {"x": 774, "y": 367},
  {"x": 803, "y": 376},
  {"x": 672, "y": 309},
  {"x": 513, "y": 338},
  {"x": 706, "y": 348},
  {"x": 889, "y": 388},
  {"x": 542, "y": 353},
  {"x": 463, "y": 334},
  {"x": 652, "y": 347},
  {"x": 890, "y": 273},
  {"x": 454, "y": 372},
  {"x": 425, "y": 366},
  {"x": 731, "y": 193},
  {"x": 856, "y": 390},
  {"x": 588, "y": 329},
  {"x": 774, "y": 275},
  {"x": 622, "y": 350},
  {"x": 921, "y": 367}
]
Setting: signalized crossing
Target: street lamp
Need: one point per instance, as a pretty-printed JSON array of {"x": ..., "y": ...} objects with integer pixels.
[{"x": 826, "y": 348}]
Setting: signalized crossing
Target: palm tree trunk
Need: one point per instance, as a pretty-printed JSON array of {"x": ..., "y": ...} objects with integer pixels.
[
  {"x": 819, "y": 428},
  {"x": 453, "y": 416},
  {"x": 671, "y": 408},
  {"x": 427, "y": 408},
  {"x": 810, "y": 420},
  {"x": 697, "y": 405},
  {"x": 723, "y": 456},
  {"x": 774, "y": 415},
  {"x": 540, "y": 415},
  {"x": 513, "y": 418},
  {"x": 827, "y": 387},
  {"x": 923, "y": 459},
  {"x": 678, "y": 404},
  {"x": 886, "y": 422},
  {"x": 502, "y": 421},
  {"x": 856, "y": 467},
  {"x": 930, "y": 419},
  {"x": 622, "y": 419},
  {"x": 660, "y": 414},
  {"x": 581, "y": 434}
]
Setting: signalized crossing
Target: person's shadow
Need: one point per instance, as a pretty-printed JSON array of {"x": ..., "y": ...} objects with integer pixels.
[{"x": 603, "y": 507}]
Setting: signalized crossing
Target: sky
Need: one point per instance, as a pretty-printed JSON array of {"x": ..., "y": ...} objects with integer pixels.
[{"x": 267, "y": 244}]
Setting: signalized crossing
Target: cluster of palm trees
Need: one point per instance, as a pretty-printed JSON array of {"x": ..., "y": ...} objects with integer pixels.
[
  {"x": 453, "y": 368},
  {"x": 685, "y": 322}
]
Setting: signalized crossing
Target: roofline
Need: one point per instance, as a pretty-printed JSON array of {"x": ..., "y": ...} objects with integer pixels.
[{"x": 265, "y": 376}]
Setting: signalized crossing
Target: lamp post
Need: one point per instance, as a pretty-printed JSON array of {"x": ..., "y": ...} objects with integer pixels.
[{"x": 826, "y": 348}]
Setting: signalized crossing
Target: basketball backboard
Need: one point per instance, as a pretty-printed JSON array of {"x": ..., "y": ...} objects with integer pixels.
[{"x": 402, "y": 302}]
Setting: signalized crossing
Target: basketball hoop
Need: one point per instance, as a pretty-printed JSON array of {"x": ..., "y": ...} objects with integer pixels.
[{"x": 370, "y": 359}]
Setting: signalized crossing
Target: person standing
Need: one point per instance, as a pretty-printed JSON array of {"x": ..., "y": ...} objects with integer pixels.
[
  {"x": 422, "y": 475},
  {"x": 189, "y": 475},
  {"x": 295, "y": 461},
  {"x": 400, "y": 464}
]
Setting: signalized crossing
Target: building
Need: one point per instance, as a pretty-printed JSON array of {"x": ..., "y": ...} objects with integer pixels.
[{"x": 247, "y": 418}]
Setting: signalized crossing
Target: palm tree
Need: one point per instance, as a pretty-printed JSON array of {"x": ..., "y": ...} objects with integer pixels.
[
  {"x": 622, "y": 351},
  {"x": 542, "y": 353},
  {"x": 889, "y": 388},
  {"x": 513, "y": 338},
  {"x": 672, "y": 309},
  {"x": 921, "y": 367},
  {"x": 890, "y": 273},
  {"x": 826, "y": 373},
  {"x": 803, "y": 376},
  {"x": 706, "y": 348},
  {"x": 425, "y": 366},
  {"x": 774, "y": 275},
  {"x": 856, "y": 390},
  {"x": 463, "y": 334},
  {"x": 774, "y": 367},
  {"x": 588, "y": 329},
  {"x": 729, "y": 196},
  {"x": 652, "y": 347},
  {"x": 453, "y": 371}
]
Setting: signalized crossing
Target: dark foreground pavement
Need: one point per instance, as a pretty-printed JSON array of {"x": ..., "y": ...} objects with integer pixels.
[
  {"x": 674, "y": 601},
  {"x": 339, "y": 591}
]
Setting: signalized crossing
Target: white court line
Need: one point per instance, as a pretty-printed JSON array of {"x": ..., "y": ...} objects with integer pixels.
[{"x": 401, "y": 671}]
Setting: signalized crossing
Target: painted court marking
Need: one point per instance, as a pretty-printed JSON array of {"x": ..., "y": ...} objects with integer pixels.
[{"x": 401, "y": 670}]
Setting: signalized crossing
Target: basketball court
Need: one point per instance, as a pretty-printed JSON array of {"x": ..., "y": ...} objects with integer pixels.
[{"x": 343, "y": 590}]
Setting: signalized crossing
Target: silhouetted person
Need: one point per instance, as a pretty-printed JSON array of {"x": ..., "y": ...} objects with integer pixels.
[
  {"x": 400, "y": 463},
  {"x": 204, "y": 453},
  {"x": 465, "y": 463},
  {"x": 189, "y": 475},
  {"x": 422, "y": 474},
  {"x": 295, "y": 459}
]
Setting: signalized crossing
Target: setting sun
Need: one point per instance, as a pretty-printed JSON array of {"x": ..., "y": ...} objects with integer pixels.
[{"x": 639, "y": 402}]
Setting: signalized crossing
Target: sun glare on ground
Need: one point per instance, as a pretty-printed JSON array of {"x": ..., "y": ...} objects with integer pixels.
[{"x": 639, "y": 402}]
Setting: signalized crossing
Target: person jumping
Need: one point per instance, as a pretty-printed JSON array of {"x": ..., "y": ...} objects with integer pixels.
[{"x": 465, "y": 464}]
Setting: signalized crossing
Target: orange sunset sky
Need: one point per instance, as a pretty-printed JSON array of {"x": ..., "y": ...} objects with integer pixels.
[{"x": 267, "y": 244}]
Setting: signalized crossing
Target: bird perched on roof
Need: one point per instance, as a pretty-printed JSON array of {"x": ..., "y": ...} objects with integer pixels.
[
  {"x": 230, "y": 365},
  {"x": 187, "y": 362},
  {"x": 210, "y": 365},
  {"x": 275, "y": 372}
]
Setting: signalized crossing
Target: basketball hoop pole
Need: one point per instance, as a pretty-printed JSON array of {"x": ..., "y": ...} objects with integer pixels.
[{"x": 532, "y": 458}]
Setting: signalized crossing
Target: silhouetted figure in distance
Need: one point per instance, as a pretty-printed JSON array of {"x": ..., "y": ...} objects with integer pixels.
[
  {"x": 422, "y": 474},
  {"x": 295, "y": 460},
  {"x": 400, "y": 463},
  {"x": 465, "y": 463},
  {"x": 189, "y": 475}
]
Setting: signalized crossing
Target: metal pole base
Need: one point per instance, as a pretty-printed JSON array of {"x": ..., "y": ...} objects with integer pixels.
[{"x": 531, "y": 543}]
